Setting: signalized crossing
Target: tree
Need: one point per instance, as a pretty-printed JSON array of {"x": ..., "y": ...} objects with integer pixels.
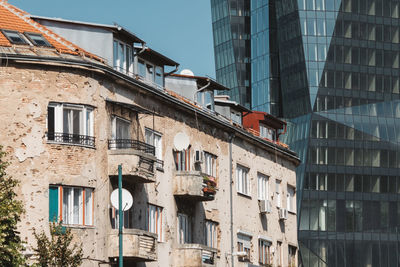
[
  {"x": 10, "y": 214},
  {"x": 55, "y": 251}
]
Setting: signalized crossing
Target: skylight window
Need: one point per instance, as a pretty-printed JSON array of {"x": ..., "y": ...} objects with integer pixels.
[
  {"x": 37, "y": 39},
  {"x": 14, "y": 37}
]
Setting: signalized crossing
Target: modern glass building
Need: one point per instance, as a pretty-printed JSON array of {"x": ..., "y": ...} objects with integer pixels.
[{"x": 338, "y": 79}]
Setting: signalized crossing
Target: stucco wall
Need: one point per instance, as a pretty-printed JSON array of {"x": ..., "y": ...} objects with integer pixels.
[{"x": 25, "y": 92}]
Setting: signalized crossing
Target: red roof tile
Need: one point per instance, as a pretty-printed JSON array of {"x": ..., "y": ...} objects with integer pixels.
[{"x": 13, "y": 18}]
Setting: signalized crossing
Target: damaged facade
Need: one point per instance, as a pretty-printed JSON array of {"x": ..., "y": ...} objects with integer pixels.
[{"x": 71, "y": 116}]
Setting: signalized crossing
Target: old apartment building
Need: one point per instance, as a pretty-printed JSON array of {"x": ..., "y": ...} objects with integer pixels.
[{"x": 211, "y": 183}]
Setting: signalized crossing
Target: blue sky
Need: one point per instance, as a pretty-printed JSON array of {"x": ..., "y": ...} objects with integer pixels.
[{"x": 179, "y": 29}]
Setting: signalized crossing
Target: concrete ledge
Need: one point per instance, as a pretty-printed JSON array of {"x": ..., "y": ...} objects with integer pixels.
[
  {"x": 194, "y": 255},
  {"x": 138, "y": 245},
  {"x": 140, "y": 171},
  {"x": 189, "y": 185}
]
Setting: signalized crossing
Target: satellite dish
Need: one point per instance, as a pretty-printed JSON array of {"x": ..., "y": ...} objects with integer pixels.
[
  {"x": 187, "y": 72},
  {"x": 127, "y": 199},
  {"x": 181, "y": 141}
]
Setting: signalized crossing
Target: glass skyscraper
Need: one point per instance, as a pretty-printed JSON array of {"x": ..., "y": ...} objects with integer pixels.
[{"x": 336, "y": 82}]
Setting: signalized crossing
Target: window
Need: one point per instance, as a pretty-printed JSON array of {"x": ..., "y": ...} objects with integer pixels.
[
  {"x": 71, "y": 205},
  {"x": 121, "y": 128},
  {"x": 279, "y": 253},
  {"x": 155, "y": 139},
  {"x": 278, "y": 193},
  {"x": 159, "y": 76},
  {"x": 236, "y": 117},
  {"x": 184, "y": 229},
  {"x": 155, "y": 220},
  {"x": 292, "y": 256},
  {"x": 141, "y": 68},
  {"x": 68, "y": 123},
  {"x": 263, "y": 187},
  {"x": 210, "y": 233},
  {"x": 37, "y": 39},
  {"x": 14, "y": 37},
  {"x": 243, "y": 183},
  {"x": 182, "y": 160},
  {"x": 123, "y": 57},
  {"x": 244, "y": 244},
  {"x": 266, "y": 132},
  {"x": 290, "y": 198},
  {"x": 264, "y": 252},
  {"x": 210, "y": 164}
]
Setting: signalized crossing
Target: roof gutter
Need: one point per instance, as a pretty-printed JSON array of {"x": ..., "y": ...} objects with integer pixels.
[{"x": 71, "y": 62}]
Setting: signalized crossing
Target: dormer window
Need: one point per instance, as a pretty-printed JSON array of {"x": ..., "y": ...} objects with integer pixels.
[
  {"x": 267, "y": 132},
  {"x": 14, "y": 37},
  {"x": 236, "y": 117},
  {"x": 150, "y": 72},
  {"x": 123, "y": 57},
  {"x": 37, "y": 39}
]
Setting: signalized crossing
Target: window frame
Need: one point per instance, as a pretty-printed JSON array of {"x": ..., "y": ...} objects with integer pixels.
[
  {"x": 21, "y": 36},
  {"x": 210, "y": 233},
  {"x": 184, "y": 234},
  {"x": 182, "y": 159},
  {"x": 29, "y": 36},
  {"x": 114, "y": 119},
  {"x": 292, "y": 257},
  {"x": 243, "y": 185},
  {"x": 155, "y": 223},
  {"x": 244, "y": 244},
  {"x": 82, "y": 202},
  {"x": 267, "y": 132},
  {"x": 210, "y": 159},
  {"x": 151, "y": 140},
  {"x": 278, "y": 193},
  {"x": 127, "y": 57},
  {"x": 86, "y": 123},
  {"x": 264, "y": 252},
  {"x": 263, "y": 186},
  {"x": 290, "y": 197}
]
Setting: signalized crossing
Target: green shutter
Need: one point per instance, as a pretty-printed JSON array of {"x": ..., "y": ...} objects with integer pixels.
[{"x": 53, "y": 203}]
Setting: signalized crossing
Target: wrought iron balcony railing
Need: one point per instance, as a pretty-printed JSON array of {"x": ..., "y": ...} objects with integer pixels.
[
  {"x": 67, "y": 138},
  {"x": 131, "y": 143}
]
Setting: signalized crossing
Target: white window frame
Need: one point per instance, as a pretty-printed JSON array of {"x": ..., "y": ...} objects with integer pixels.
[
  {"x": 184, "y": 229},
  {"x": 279, "y": 255},
  {"x": 267, "y": 132},
  {"x": 210, "y": 233},
  {"x": 244, "y": 244},
  {"x": 86, "y": 118},
  {"x": 114, "y": 120},
  {"x": 154, "y": 221},
  {"x": 292, "y": 257},
  {"x": 155, "y": 139},
  {"x": 127, "y": 57},
  {"x": 278, "y": 194},
  {"x": 150, "y": 76},
  {"x": 84, "y": 212},
  {"x": 264, "y": 251},
  {"x": 210, "y": 164},
  {"x": 242, "y": 180},
  {"x": 290, "y": 199},
  {"x": 263, "y": 186}
]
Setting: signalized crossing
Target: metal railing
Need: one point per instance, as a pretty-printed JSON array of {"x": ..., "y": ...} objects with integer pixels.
[
  {"x": 131, "y": 143},
  {"x": 68, "y": 138}
]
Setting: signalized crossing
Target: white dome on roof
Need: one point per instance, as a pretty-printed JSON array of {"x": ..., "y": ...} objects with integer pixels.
[{"x": 187, "y": 72}]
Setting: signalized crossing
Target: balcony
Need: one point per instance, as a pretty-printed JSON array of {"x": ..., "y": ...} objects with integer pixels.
[
  {"x": 137, "y": 159},
  {"x": 194, "y": 185},
  {"x": 71, "y": 139},
  {"x": 138, "y": 245},
  {"x": 194, "y": 255}
]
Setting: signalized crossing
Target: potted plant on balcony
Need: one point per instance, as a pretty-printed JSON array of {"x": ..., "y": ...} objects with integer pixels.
[{"x": 209, "y": 180}]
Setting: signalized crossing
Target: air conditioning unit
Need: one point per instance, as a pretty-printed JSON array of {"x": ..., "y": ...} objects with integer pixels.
[
  {"x": 265, "y": 206},
  {"x": 283, "y": 213},
  {"x": 198, "y": 156}
]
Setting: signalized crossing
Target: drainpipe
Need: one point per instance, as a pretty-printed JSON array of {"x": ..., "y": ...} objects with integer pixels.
[
  {"x": 231, "y": 137},
  {"x": 201, "y": 89},
  {"x": 169, "y": 73}
]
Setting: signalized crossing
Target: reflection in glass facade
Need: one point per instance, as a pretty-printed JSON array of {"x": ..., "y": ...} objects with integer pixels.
[
  {"x": 231, "y": 29},
  {"x": 339, "y": 91}
]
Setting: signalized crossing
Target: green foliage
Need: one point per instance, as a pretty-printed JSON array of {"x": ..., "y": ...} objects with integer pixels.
[
  {"x": 55, "y": 251},
  {"x": 10, "y": 214}
]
